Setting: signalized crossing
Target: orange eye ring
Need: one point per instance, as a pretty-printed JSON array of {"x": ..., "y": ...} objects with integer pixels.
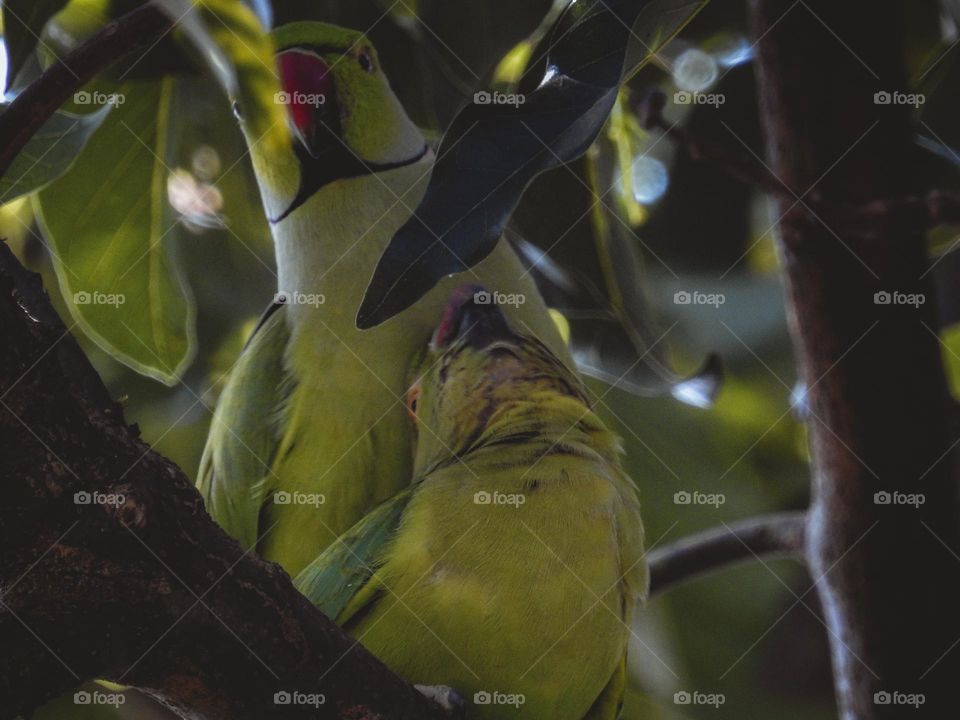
[{"x": 413, "y": 400}]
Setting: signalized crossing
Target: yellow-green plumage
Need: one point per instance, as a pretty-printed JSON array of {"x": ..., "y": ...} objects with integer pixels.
[
  {"x": 532, "y": 598},
  {"x": 316, "y": 406}
]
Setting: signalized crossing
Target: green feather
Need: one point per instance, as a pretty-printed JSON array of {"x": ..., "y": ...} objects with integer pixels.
[
  {"x": 235, "y": 474},
  {"x": 317, "y": 34}
]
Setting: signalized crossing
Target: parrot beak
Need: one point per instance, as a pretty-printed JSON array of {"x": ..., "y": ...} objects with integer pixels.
[
  {"x": 309, "y": 93},
  {"x": 472, "y": 314}
]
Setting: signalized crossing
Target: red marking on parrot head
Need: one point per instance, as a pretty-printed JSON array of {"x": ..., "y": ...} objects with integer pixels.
[{"x": 308, "y": 86}]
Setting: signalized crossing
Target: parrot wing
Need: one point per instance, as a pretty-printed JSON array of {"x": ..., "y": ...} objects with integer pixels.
[
  {"x": 609, "y": 703},
  {"x": 338, "y": 581},
  {"x": 235, "y": 471}
]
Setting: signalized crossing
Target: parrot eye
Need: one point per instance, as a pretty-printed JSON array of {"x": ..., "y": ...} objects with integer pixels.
[
  {"x": 413, "y": 401},
  {"x": 366, "y": 63}
]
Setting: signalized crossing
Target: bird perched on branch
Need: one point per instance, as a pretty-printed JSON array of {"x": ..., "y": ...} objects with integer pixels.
[
  {"x": 511, "y": 568},
  {"x": 311, "y": 432}
]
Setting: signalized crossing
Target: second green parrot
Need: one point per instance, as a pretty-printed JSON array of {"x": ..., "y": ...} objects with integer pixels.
[{"x": 511, "y": 568}]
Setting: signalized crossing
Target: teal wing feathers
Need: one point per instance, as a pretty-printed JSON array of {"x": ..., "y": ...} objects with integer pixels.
[{"x": 338, "y": 582}]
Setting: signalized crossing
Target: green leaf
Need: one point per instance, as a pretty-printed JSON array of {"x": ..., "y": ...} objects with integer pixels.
[
  {"x": 950, "y": 351},
  {"x": 49, "y": 153},
  {"x": 239, "y": 52},
  {"x": 109, "y": 225},
  {"x": 23, "y": 21}
]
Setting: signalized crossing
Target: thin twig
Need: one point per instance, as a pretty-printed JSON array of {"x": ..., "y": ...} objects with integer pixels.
[
  {"x": 135, "y": 30},
  {"x": 779, "y": 534},
  {"x": 874, "y": 219}
]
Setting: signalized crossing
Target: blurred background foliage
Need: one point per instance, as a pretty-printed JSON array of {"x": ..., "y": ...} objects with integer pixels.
[{"x": 675, "y": 224}]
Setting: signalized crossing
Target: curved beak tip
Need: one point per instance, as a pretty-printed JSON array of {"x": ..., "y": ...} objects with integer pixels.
[{"x": 471, "y": 312}]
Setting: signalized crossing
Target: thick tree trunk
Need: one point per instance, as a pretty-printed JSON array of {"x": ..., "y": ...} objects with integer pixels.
[
  {"x": 887, "y": 574},
  {"x": 111, "y": 568}
]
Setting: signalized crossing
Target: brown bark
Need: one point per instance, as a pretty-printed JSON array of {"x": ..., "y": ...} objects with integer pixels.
[
  {"x": 147, "y": 591},
  {"x": 881, "y": 414}
]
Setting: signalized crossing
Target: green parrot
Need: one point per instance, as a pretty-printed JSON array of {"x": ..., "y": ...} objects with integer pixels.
[
  {"x": 310, "y": 432},
  {"x": 511, "y": 568}
]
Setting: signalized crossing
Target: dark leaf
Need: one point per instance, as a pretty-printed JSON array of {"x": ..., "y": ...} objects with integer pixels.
[
  {"x": 612, "y": 339},
  {"x": 49, "y": 153},
  {"x": 23, "y": 21},
  {"x": 492, "y": 150}
]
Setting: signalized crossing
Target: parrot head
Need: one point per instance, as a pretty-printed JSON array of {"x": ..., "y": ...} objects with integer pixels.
[
  {"x": 344, "y": 119},
  {"x": 481, "y": 384}
]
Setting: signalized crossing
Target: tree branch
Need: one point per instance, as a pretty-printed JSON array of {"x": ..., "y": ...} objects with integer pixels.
[
  {"x": 111, "y": 568},
  {"x": 780, "y": 534},
  {"x": 872, "y": 219},
  {"x": 27, "y": 113},
  {"x": 886, "y": 572},
  {"x": 738, "y": 165}
]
